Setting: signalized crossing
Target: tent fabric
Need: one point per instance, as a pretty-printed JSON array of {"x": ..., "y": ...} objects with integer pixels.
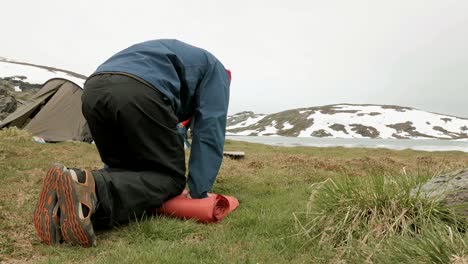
[
  {"x": 21, "y": 116},
  {"x": 207, "y": 210},
  {"x": 54, "y": 113}
]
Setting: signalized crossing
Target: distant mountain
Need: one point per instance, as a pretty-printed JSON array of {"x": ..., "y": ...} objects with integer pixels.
[
  {"x": 334, "y": 121},
  {"x": 351, "y": 121},
  {"x": 24, "y": 76}
]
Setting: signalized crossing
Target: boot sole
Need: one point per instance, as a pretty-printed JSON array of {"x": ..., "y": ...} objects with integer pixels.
[
  {"x": 45, "y": 220},
  {"x": 73, "y": 228}
]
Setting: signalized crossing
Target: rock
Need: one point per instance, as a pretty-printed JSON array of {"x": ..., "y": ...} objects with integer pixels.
[
  {"x": 234, "y": 154},
  {"x": 8, "y": 103},
  {"x": 451, "y": 189},
  {"x": 321, "y": 133}
]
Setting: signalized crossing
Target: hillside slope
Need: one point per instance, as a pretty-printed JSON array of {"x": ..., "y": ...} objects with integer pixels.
[
  {"x": 351, "y": 121},
  {"x": 28, "y": 76}
]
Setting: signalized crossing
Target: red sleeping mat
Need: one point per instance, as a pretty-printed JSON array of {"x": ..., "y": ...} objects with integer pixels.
[{"x": 208, "y": 210}]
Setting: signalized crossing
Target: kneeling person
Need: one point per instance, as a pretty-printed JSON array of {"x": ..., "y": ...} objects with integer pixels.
[{"x": 133, "y": 103}]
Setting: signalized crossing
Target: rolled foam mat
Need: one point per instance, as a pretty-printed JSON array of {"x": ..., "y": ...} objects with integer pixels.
[{"x": 207, "y": 210}]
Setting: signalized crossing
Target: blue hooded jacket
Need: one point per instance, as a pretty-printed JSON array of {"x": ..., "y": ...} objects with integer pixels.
[{"x": 197, "y": 85}]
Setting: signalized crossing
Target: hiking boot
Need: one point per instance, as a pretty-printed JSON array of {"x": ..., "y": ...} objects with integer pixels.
[
  {"x": 78, "y": 202},
  {"x": 47, "y": 213}
]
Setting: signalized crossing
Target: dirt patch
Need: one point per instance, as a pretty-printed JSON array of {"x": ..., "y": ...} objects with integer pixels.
[
  {"x": 299, "y": 121},
  {"x": 464, "y": 128},
  {"x": 256, "y": 165},
  {"x": 443, "y": 130},
  {"x": 240, "y": 117},
  {"x": 398, "y": 136},
  {"x": 446, "y": 119},
  {"x": 193, "y": 239},
  {"x": 396, "y": 108},
  {"x": 369, "y": 114},
  {"x": 339, "y": 127},
  {"x": 453, "y": 135},
  {"x": 402, "y": 127},
  {"x": 408, "y": 128},
  {"x": 333, "y": 109},
  {"x": 321, "y": 133},
  {"x": 309, "y": 163},
  {"x": 365, "y": 131}
]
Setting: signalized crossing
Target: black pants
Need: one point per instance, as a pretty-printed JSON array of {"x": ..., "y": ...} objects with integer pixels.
[{"x": 134, "y": 128}]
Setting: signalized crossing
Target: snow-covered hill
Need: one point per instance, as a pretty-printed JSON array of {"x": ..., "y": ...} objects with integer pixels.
[
  {"x": 334, "y": 121},
  {"x": 351, "y": 121},
  {"x": 26, "y": 73}
]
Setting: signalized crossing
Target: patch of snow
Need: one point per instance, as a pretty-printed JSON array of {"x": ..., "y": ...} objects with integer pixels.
[
  {"x": 35, "y": 75},
  {"x": 246, "y": 132},
  {"x": 287, "y": 126},
  {"x": 269, "y": 130},
  {"x": 248, "y": 122}
]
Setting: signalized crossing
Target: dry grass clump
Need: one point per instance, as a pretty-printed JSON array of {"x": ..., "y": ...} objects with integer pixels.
[{"x": 14, "y": 134}]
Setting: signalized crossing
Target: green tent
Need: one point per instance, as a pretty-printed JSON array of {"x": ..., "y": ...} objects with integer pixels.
[{"x": 54, "y": 113}]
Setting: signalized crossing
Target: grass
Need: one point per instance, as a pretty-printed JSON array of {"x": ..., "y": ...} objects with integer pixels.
[
  {"x": 363, "y": 217},
  {"x": 297, "y": 205}
]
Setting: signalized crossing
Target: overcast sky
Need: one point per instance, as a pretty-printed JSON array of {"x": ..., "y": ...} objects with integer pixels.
[{"x": 283, "y": 54}]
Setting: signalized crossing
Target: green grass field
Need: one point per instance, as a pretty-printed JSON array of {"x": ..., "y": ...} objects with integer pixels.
[{"x": 297, "y": 205}]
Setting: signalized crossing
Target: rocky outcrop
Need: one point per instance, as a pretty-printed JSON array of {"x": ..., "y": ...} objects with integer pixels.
[
  {"x": 365, "y": 131},
  {"x": 450, "y": 189},
  {"x": 8, "y": 103},
  {"x": 339, "y": 127},
  {"x": 321, "y": 133}
]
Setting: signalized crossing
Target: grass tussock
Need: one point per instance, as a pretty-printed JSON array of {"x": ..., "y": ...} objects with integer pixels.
[{"x": 382, "y": 219}]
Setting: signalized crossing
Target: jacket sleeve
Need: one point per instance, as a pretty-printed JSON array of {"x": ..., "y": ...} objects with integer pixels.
[{"x": 209, "y": 130}]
